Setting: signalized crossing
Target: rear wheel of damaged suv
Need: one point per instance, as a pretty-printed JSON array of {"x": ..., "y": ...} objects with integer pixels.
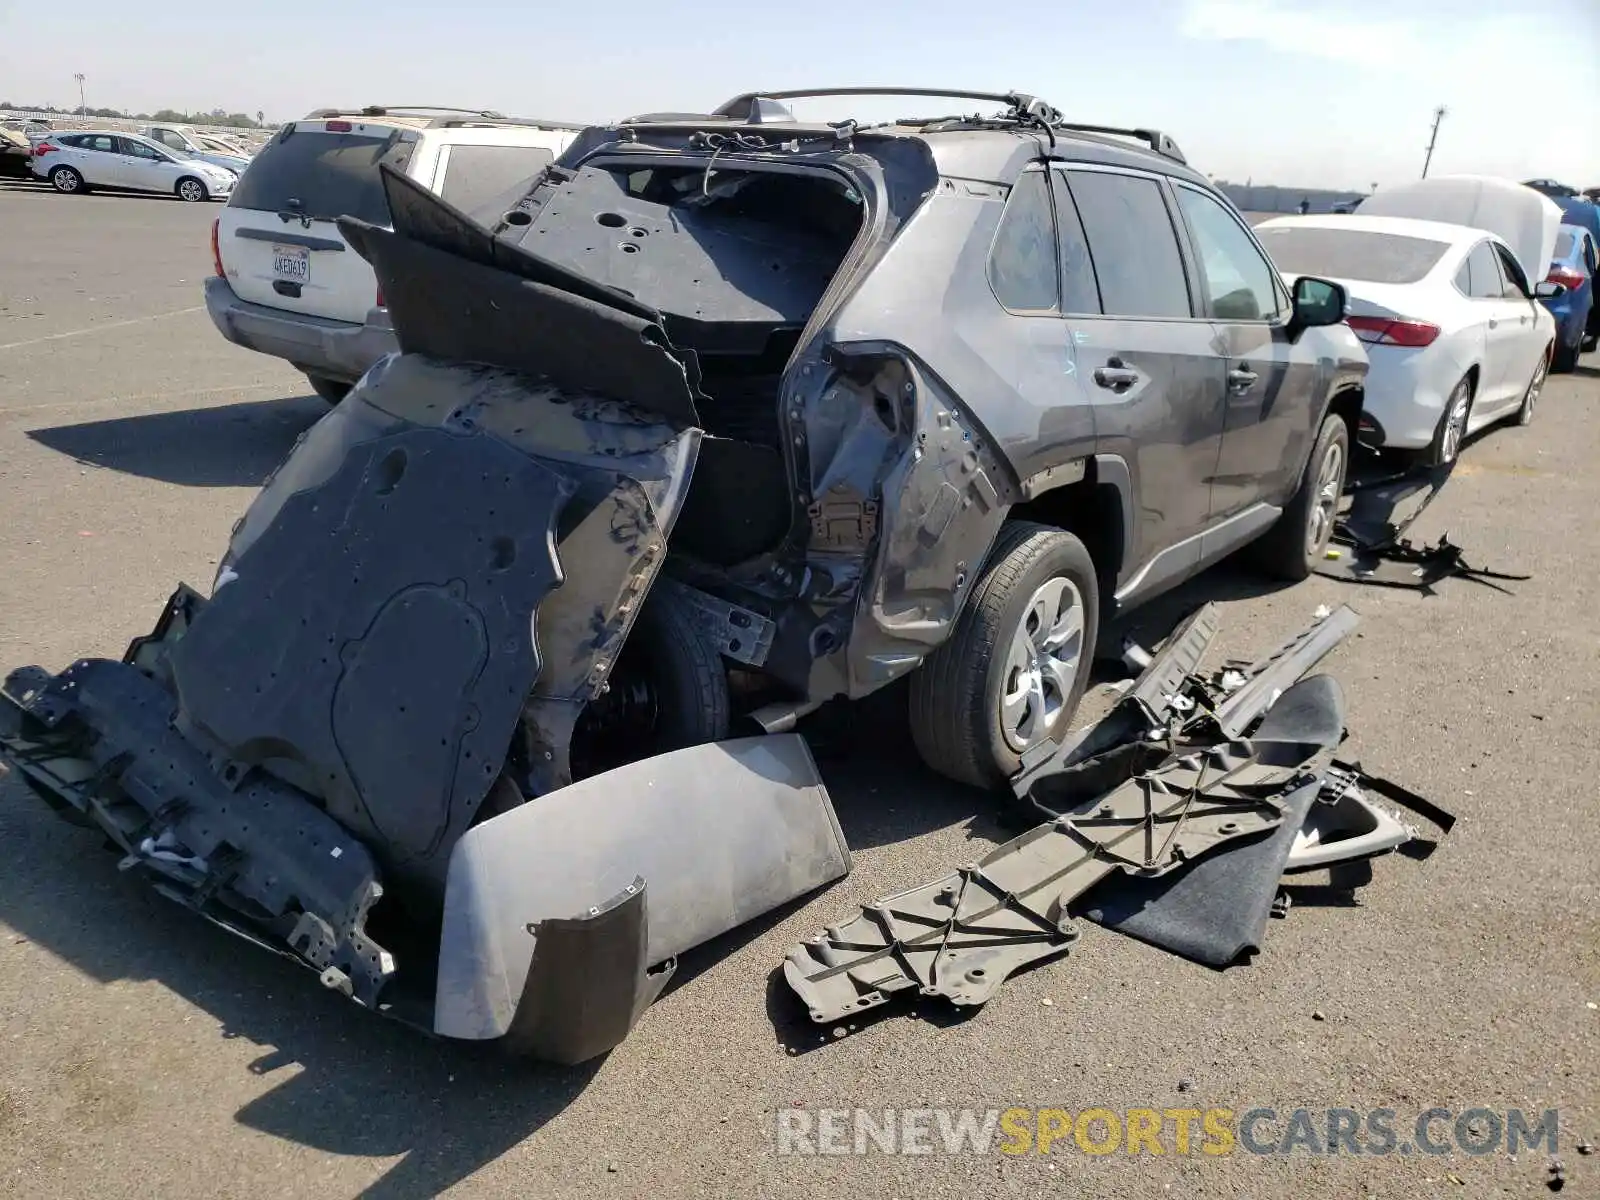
[
  {"x": 331, "y": 390},
  {"x": 668, "y": 691},
  {"x": 1297, "y": 542},
  {"x": 1013, "y": 670}
]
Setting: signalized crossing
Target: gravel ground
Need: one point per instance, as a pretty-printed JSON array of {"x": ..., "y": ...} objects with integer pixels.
[{"x": 148, "y": 1054}]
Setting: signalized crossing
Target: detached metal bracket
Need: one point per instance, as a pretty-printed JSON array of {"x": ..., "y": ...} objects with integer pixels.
[{"x": 737, "y": 633}]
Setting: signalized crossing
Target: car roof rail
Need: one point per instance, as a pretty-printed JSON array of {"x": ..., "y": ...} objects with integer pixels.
[
  {"x": 757, "y": 107},
  {"x": 501, "y": 122},
  {"x": 398, "y": 110},
  {"x": 1154, "y": 138},
  {"x": 749, "y": 105},
  {"x": 455, "y": 118}
]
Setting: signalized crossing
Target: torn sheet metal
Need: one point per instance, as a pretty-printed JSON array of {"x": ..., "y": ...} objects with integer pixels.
[
  {"x": 720, "y": 833},
  {"x": 962, "y": 936},
  {"x": 1369, "y": 543}
]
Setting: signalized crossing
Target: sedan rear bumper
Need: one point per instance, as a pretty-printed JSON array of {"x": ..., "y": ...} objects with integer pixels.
[
  {"x": 1406, "y": 393},
  {"x": 337, "y": 350}
]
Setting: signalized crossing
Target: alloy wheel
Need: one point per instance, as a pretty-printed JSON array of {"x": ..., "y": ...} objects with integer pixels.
[
  {"x": 1455, "y": 422},
  {"x": 1535, "y": 386},
  {"x": 1042, "y": 663},
  {"x": 1325, "y": 504}
]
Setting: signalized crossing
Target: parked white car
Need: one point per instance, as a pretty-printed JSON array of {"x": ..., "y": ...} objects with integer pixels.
[
  {"x": 1455, "y": 337},
  {"x": 183, "y": 141},
  {"x": 287, "y": 284},
  {"x": 77, "y": 160}
]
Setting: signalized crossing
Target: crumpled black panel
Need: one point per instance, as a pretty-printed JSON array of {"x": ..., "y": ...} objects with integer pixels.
[
  {"x": 376, "y": 644},
  {"x": 454, "y": 293}
]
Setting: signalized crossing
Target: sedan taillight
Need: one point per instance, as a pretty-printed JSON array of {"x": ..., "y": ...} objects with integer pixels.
[
  {"x": 1393, "y": 331},
  {"x": 1568, "y": 277},
  {"x": 42, "y": 149}
]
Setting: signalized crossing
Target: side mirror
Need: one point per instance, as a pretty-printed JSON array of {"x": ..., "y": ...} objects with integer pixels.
[
  {"x": 1549, "y": 291},
  {"x": 1318, "y": 302}
]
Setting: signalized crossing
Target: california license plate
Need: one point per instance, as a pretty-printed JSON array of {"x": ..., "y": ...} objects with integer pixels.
[{"x": 292, "y": 263}]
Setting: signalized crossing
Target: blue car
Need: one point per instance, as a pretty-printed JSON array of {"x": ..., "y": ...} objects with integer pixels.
[{"x": 1574, "y": 267}]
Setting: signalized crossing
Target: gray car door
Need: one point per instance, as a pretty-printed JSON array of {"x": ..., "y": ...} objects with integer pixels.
[
  {"x": 1269, "y": 375},
  {"x": 1146, "y": 360}
]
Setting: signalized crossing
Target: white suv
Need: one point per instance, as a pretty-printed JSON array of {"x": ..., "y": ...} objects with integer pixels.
[{"x": 286, "y": 282}]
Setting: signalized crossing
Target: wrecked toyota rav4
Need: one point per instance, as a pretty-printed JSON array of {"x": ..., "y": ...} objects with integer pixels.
[{"x": 728, "y": 417}]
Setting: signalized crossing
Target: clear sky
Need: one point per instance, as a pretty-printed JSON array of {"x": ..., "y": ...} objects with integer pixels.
[{"x": 1336, "y": 94}]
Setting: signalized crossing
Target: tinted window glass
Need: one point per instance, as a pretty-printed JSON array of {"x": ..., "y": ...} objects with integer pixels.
[
  {"x": 1080, "y": 291},
  {"x": 1022, "y": 261},
  {"x": 138, "y": 149},
  {"x": 1563, "y": 244},
  {"x": 1238, "y": 281},
  {"x": 488, "y": 180},
  {"x": 1350, "y": 253},
  {"x": 98, "y": 141},
  {"x": 1516, "y": 283},
  {"x": 1134, "y": 246},
  {"x": 321, "y": 175},
  {"x": 1484, "y": 282}
]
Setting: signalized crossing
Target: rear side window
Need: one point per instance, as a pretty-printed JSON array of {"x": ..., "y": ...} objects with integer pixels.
[
  {"x": 1516, "y": 283},
  {"x": 1355, "y": 254},
  {"x": 1483, "y": 280},
  {"x": 1080, "y": 292},
  {"x": 323, "y": 176},
  {"x": 1133, "y": 244},
  {"x": 1239, "y": 283},
  {"x": 1022, "y": 261},
  {"x": 1563, "y": 245},
  {"x": 488, "y": 180}
]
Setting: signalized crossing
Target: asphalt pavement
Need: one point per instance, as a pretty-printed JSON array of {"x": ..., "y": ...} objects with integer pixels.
[{"x": 144, "y": 1053}]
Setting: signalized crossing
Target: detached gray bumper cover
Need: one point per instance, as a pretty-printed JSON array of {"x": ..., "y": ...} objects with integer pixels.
[
  {"x": 340, "y": 350},
  {"x": 719, "y": 833}
]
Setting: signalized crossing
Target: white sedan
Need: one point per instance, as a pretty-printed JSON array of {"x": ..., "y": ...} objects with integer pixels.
[
  {"x": 1454, "y": 334},
  {"x": 76, "y": 160}
]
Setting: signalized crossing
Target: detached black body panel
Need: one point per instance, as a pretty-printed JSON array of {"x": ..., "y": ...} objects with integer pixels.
[{"x": 375, "y": 644}]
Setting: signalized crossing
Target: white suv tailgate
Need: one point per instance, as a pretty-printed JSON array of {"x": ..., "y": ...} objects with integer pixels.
[{"x": 277, "y": 238}]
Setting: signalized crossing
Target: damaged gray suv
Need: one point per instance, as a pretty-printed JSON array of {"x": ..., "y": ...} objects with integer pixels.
[{"x": 727, "y": 417}]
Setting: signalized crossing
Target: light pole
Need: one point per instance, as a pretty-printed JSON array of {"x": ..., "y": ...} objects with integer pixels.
[
  {"x": 1439, "y": 114},
  {"x": 83, "y": 107}
]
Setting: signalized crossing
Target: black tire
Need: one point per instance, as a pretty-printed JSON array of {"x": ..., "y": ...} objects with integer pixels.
[
  {"x": 192, "y": 190},
  {"x": 1444, "y": 449},
  {"x": 1565, "y": 358},
  {"x": 67, "y": 181},
  {"x": 956, "y": 694},
  {"x": 331, "y": 390},
  {"x": 1297, "y": 541},
  {"x": 1530, "y": 398},
  {"x": 668, "y": 690}
]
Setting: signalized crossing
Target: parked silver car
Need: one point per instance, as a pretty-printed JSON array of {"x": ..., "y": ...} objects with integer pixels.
[{"x": 76, "y": 160}]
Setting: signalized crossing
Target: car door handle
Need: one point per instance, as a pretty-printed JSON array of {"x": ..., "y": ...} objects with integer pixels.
[
  {"x": 1493, "y": 324},
  {"x": 1241, "y": 380},
  {"x": 1116, "y": 375}
]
